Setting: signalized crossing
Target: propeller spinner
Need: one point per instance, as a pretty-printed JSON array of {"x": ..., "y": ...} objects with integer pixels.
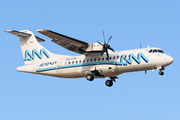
[{"x": 106, "y": 46}]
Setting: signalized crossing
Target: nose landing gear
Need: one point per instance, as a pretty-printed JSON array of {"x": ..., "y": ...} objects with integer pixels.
[
  {"x": 161, "y": 71},
  {"x": 109, "y": 83}
]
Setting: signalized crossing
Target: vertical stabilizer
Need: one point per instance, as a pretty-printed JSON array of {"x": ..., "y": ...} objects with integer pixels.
[{"x": 32, "y": 51}]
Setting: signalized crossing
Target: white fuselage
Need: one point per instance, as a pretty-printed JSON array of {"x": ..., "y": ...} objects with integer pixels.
[{"x": 120, "y": 62}]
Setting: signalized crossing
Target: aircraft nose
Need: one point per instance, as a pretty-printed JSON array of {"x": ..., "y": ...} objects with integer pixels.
[{"x": 170, "y": 59}]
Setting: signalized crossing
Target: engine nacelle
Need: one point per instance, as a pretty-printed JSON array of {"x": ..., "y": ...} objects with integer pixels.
[{"x": 94, "y": 47}]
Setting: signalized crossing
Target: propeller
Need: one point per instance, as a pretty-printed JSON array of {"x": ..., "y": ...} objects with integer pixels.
[{"x": 106, "y": 46}]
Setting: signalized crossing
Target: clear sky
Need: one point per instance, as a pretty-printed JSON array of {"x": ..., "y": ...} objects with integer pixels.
[{"x": 135, "y": 96}]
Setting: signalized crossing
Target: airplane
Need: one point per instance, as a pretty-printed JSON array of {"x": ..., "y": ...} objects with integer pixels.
[{"x": 97, "y": 60}]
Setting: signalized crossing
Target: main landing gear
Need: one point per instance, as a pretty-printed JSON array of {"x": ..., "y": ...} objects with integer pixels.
[
  {"x": 90, "y": 77},
  {"x": 95, "y": 72},
  {"x": 109, "y": 83}
]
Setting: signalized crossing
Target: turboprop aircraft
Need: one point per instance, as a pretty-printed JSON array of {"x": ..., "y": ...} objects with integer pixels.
[{"x": 98, "y": 60}]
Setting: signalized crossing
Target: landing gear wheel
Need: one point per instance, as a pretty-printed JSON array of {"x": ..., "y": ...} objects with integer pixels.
[
  {"x": 161, "y": 73},
  {"x": 90, "y": 77},
  {"x": 109, "y": 83}
]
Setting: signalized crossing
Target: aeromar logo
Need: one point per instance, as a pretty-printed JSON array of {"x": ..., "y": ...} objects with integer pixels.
[
  {"x": 125, "y": 61},
  {"x": 29, "y": 56}
]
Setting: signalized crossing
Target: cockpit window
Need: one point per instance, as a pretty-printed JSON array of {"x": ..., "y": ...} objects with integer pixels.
[
  {"x": 160, "y": 51},
  {"x": 150, "y": 51},
  {"x": 154, "y": 51}
]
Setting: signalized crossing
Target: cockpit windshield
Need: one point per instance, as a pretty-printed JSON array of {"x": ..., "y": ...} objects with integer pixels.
[{"x": 155, "y": 51}]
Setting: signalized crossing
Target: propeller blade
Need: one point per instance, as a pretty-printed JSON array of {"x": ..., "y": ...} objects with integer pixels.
[
  {"x": 145, "y": 72},
  {"x": 111, "y": 49},
  {"x": 107, "y": 55},
  {"x": 102, "y": 52},
  {"x": 109, "y": 39},
  {"x": 104, "y": 37},
  {"x": 140, "y": 45},
  {"x": 100, "y": 43}
]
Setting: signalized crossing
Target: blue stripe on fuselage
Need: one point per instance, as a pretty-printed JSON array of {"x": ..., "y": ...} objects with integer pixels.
[{"x": 77, "y": 65}]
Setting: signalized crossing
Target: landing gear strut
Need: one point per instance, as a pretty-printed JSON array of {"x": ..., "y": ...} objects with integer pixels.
[{"x": 109, "y": 83}]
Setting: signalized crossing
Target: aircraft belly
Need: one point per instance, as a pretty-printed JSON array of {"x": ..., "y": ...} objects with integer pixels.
[
  {"x": 71, "y": 72},
  {"x": 107, "y": 70},
  {"x": 104, "y": 70},
  {"x": 137, "y": 67}
]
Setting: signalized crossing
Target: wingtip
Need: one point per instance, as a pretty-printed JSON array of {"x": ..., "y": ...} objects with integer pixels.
[
  {"x": 41, "y": 30},
  {"x": 7, "y": 30}
]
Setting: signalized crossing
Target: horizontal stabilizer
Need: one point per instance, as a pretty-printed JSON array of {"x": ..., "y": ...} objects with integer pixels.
[{"x": 23, "y": 34}]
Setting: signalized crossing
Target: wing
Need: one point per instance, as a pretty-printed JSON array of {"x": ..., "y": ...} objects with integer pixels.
[{"x": 66, "y": 42}]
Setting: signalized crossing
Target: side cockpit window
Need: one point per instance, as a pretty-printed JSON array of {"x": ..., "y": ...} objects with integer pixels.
[{"x": 160, "y": 51}]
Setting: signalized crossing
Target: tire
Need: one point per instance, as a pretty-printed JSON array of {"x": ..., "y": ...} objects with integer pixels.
[
  {"x": 90, "y": 77},
  {"x": 109, "y": 83},
  {"x": 161, "y": 73}
]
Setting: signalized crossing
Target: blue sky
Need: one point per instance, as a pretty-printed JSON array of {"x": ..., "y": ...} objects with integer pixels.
[{"x": 135, "y": 96}]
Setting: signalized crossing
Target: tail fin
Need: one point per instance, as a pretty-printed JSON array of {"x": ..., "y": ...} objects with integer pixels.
[{"x": 32, "y": 51}]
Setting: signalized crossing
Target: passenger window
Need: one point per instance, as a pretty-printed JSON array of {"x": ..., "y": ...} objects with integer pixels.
[
  {"x": 110, "y": 58},
  {"x": 154, "y": 51},
  {"x": 91, "y": 60},
  {"x": 80, "y": 61},
  {"x": 94, "y": 60},
  {"x": 99, "y": 59},
  {"x": 114, "y": 57},
  {"x": 83, "y": 61},
  {"x": 117, "y": 57},
  {"x": 106, "y": 58},
  {"x": 69, "y": 63},
  {"x": 87, "y": 60},
  {"x": 102, "y": 59},
  {"x": 76, "y": 62},
  {"x": 72, "y": 62}
]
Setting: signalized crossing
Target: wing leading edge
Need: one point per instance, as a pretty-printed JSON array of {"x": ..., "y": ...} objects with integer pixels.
[{"x": 69, "y": 43}]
